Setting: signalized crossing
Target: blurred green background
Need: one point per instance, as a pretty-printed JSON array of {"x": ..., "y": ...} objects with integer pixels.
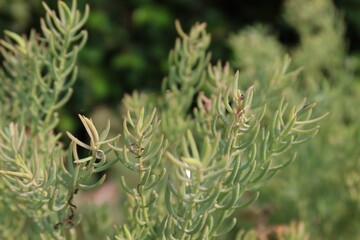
[
  {"x": 128, "y": 49},
  {"x": 129, "y": 41}
]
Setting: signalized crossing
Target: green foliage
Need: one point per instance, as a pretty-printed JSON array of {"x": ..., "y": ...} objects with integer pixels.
[
  {"x": 197, "y": 152},
  {"x": 219, "y": 156},
  {"x": 37, "y": 76},
  {"x": 315, "y": 187}
]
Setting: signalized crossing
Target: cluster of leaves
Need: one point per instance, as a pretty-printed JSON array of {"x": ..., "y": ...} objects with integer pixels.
[
  {"x": 220, "y": 149},
  {"x": 199, "y": 151},
  {"x": 37, "y": 76}
]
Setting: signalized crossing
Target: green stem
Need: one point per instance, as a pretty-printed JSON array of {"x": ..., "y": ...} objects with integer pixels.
[
  {"x": 62, "y": 63},
  {"x": 187, "y": 221},
  {"x": 143, "y": 200}
]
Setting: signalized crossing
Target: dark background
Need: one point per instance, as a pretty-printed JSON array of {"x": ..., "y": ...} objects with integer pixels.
[{"x": 129, "y": 41}]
